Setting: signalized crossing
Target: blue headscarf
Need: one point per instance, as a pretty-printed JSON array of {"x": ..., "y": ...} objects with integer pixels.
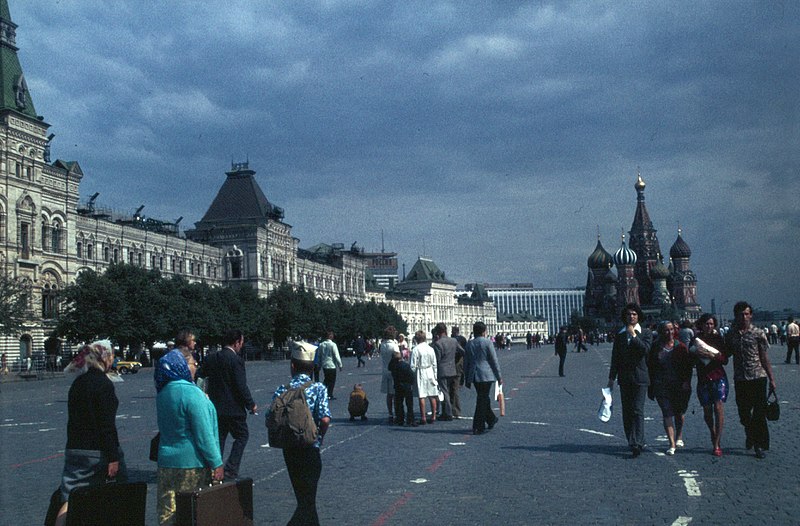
[{"x": 171, "y": 366}]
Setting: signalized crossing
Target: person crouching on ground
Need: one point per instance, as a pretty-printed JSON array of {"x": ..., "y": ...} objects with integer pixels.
[{"x": 358, "y": 404}]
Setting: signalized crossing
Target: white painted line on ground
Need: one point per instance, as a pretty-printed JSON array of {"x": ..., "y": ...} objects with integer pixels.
[
  {"x": 689, "y": 480},
  {"x": 682, "y": 521},
  {"x": 530, "y": 423},
  {"x": 48, "y": 429},
  {"x": 419, "y": 481},
  {"x": 592, "y": 431},
  {"x": 17, "y": 424},
  {"x": 458, "y": 443}
]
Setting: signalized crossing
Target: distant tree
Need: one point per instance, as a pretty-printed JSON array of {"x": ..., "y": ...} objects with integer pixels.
[{"x": 14, "y": 302}]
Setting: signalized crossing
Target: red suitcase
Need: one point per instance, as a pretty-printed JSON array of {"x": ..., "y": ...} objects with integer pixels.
[{"x": 227, "y": 504}]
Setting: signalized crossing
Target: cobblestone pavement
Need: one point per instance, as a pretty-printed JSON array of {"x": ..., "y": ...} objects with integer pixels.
[{"x": 548, "y": 461}]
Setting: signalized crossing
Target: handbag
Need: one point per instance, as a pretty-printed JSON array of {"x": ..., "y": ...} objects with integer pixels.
[
  {"x": 773, "y": 408},
  {"x": 154, "y": 443}
]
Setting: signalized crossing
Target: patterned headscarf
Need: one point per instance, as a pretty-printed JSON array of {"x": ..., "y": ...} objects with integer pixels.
[
  {"x": 171, "y": 366},
  {"x": 91, "y": 355}
]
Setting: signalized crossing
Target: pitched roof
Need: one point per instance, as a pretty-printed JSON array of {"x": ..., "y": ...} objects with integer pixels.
[
  {"x": 14, "y": 94},
  {"x": 240, "y": 200},
  {"x": 426, "y": 270}
]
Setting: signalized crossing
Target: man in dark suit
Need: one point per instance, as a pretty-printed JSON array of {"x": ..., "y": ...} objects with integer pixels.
[
  {"x": 447, "y": 351},
  {"x": 629, "y": 368},
  {"x": 226, "y": 385}
]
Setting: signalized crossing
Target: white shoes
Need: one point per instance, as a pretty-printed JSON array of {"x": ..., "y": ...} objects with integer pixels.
[
  {"x": 679, "y": 443},
  {"x": 671, "y": 451}
]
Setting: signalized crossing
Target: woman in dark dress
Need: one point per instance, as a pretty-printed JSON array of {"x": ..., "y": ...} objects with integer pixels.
[
  {"x": 92, "y": 454},
  {"x": 670, "y": 367}
]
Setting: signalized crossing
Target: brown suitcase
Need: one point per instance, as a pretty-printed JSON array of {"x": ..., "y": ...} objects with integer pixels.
[{"x": 227, "y": 504}]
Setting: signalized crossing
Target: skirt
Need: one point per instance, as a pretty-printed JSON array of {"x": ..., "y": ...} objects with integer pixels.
[{"x": 85, "y": 467}]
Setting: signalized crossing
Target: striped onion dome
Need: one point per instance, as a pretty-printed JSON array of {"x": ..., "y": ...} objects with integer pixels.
[{"x": 624, "y": 256}]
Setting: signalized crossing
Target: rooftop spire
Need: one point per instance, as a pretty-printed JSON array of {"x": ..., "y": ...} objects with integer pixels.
[{"x": 14, "y": 94}]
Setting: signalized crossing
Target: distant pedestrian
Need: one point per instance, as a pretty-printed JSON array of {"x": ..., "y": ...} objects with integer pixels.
[
  {"x": 360, "y": 349},
  {"x": 358, "y": 404},
  {"x": 529, "y": 341},
  {"x": 629, "y": 368},
  {"x": 402, "y": 344},
  {"x": 226, "y": 385},
  {"x": 448, "y": 351},
  {"x": 329, "y": 360},
  {"x": 792, "y": 341},
  {"x": 482, "y": 369},
  {"x": 561, "y": 349},
  {"x": 403, "y": 379},
  {"x": 423, "y": 363},
  {"x": 751, "y": 370},
  {"x": 387, "y": 348},
  {"x": 304, "y": 464}
]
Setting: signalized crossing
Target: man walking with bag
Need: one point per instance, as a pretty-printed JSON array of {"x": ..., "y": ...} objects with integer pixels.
[{"x": 304, "y": 464}]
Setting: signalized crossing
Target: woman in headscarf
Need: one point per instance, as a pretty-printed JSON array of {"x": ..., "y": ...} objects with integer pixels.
[
  {"x": 188, "y": 454},
  {"x": 92, "y": 454}
]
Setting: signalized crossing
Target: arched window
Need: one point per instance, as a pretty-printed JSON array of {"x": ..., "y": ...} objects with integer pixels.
[
  {"x": 45, "y": 235},
  {"x": 55, "y": 238},
  {"x": 106, "y": 253},
  {"x": 49, "y": 301},
  {"x": 79, "y": 249},
  {"x": 89, "y": 251}
]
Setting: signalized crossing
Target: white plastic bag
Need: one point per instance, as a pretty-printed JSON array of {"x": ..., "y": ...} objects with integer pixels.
[{"x": 604, "y": 412}]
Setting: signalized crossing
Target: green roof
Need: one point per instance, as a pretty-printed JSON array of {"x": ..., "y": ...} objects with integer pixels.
[
  {"x": 11, "y": 75},
  {"x": 426, "y": 270}
]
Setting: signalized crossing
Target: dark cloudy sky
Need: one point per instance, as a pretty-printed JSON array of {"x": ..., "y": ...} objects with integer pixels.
[{"x": 494, "y": 137}]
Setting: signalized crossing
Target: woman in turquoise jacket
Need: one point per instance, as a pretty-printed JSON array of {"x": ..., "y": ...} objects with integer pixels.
[{"x": 188, "y": 454}]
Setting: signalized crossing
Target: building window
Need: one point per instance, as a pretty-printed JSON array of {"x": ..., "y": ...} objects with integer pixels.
[
  {"x": 161, "y": 263},
  {"x": 25, "y": 239},
  {"x": 106, "y": 254},
  {"x": 2, "y": 224},
  {"x": 55, "y": 238},
  {"x": 18, "y": 170},
  {"x": 49, "y": 302},
  {"x": 116, "y": 255},
  {"x": 89, "y": 251},
  {"x": 79, "y": 249},
  {"x": 139, "y": 259},
  {"x": 45, "y": 236}
]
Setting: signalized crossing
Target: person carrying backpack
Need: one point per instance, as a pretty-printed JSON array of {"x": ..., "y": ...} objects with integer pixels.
[{"x": 303, "y": 462}]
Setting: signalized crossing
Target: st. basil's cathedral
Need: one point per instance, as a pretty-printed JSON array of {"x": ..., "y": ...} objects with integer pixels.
[{"x": 641, "y": 275}]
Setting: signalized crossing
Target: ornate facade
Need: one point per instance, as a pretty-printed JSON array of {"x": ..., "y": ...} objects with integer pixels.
[
  {"x": 47, "y": 237},
  {"x": 641, "y": 275}
]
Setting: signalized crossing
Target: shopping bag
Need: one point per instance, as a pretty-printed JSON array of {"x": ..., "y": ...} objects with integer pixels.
[{"x": 606, "y": 404}]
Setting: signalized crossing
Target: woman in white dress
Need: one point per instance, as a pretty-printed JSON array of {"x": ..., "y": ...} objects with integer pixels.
[
  {"x": 423, "y": 363},
  {"x": 387, "y": 348}
]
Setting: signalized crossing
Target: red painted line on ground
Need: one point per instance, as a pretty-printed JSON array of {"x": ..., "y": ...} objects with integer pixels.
[
  {"x": 388, "y": 514},
  {"x": 439, "y": 461},
  {"x": 36, "y": 460}
]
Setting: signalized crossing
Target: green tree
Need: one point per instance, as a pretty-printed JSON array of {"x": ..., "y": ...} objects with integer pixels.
[{"x": 14, "y": 300}]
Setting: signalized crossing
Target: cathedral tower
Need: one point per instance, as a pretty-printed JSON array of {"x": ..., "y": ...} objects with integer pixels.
[{"x": 644, "y": 242}]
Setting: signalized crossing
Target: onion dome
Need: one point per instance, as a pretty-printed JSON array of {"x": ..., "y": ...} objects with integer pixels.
[
  {"x": 624, "y": 256},
  {"x": 599, "y": 258},
  {"x": 659, "y": 271},
  {"x": 639, "y": 182},
  {"x": 680, "y": 249}
]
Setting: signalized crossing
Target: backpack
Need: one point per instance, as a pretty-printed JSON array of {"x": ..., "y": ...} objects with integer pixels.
[{"x": 290, "y": 423}]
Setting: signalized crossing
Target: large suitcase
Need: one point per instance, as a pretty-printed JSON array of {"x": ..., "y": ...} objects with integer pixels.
[
  {"x": 227, "y": 504},
  {"x": 112, "y": 504}
]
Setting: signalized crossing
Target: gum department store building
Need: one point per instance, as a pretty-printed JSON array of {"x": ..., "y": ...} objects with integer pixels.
[{"x": 47, "y": 236}]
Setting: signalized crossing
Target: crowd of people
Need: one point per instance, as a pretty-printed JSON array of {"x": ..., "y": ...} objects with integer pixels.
[
  {"x": 661, "y": 367},
  {"x": 198, "y": 407}
]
